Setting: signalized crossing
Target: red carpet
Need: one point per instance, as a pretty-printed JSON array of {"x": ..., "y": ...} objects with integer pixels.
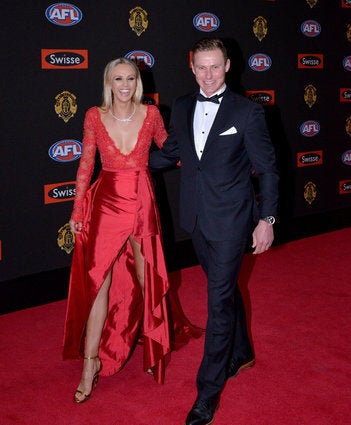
[{"x": 298, "y": 296}]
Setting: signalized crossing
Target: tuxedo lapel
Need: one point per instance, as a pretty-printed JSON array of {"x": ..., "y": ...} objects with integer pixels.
[
  {"x": 221, "y": 120},
  {"x": 190, "y": 121}
]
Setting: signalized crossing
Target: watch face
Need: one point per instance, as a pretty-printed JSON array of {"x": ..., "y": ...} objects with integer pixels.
[{"x": 270, "y": 219}]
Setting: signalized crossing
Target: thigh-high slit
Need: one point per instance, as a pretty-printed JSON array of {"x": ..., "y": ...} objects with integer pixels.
[{"x": 118, "y": 205}]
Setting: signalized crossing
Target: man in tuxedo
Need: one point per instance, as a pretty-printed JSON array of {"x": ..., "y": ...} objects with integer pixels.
[{"x": 220, "y": 137}]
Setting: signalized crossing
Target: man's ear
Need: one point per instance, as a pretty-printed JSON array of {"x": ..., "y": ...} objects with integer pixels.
[
  {"x": 192, "y": 67},
  {"x": 227, "y": 65}
]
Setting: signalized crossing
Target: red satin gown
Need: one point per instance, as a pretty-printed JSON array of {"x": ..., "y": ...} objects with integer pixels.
[{"x": 121, "y": 203}]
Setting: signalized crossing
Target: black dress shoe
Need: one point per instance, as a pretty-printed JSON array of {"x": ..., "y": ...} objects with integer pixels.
[
  {"x": 236, "y": 365},
  {"x": 202, "y": 412}
]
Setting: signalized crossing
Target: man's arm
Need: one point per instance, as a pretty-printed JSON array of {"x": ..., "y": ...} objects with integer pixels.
[
  {"x": 168, "y": 155},
  {"x": 262, "y": 157}
]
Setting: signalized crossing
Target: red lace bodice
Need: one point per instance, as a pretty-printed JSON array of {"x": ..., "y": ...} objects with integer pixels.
[{"x": 96, "y": 137}]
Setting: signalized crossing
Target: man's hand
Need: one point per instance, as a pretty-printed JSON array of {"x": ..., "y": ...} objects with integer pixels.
[{"x": 262, "y": 237}]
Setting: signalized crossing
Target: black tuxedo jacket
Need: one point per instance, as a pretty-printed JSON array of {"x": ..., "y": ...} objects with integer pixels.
[{"x": 216, "y": 191}]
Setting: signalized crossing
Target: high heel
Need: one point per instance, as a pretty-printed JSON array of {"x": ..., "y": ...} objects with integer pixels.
[{"x": 93, "y": 384}]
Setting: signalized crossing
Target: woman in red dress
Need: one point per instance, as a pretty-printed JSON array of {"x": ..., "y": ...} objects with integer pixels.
[{"x": 118, "y": 283}]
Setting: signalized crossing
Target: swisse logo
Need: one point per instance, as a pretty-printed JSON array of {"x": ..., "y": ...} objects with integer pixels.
[
  {"x": 309, "y": 128},
  {"x": 310, "y": 60},
  {"x": 260, "y": 62},
  {"x": 65, "y": 150},
  {"x": 346, "y": 157},
  {"x": 346, "y": 63},
  {"x": 206, "y": 22},
  {"x": 264, "y": 97},
  {"x": 306, "y": 159},
  {"x": 64, "y": 59},
  {"x": 345, "y": 95},
  {"x": 141, "y": 58},
  {"x": 346, "y": 3},
  {"x": 63, "y": 14},
  {"x": 344, "y": 186},
  {"x": 59, "y": 192},
  {"x": 311, "y": 28}
]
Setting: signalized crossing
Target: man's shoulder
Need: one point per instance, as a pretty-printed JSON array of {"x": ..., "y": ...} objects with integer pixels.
[
  {"x": 185, "y": 98},
  {"x": 242, "y": 100}
]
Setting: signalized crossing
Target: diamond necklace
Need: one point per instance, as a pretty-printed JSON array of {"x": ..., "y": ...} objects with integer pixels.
[{"x": 128, "y": 119}]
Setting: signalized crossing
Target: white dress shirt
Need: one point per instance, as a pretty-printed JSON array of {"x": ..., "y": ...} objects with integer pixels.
[{"x": 205, "y": 114}]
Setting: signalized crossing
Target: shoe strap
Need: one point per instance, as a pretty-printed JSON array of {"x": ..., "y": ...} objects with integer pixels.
[{"x": 90, "y": 358}]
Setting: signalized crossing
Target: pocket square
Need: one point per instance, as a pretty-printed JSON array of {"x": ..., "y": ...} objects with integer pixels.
[{"x": 231, "y": 130}]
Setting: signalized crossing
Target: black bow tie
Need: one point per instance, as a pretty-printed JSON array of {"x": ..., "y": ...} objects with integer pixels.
[{"x": 213, "y": 99}]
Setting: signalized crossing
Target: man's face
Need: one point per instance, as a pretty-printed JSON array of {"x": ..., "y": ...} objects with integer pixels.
[{"x": 209, "y": 68}]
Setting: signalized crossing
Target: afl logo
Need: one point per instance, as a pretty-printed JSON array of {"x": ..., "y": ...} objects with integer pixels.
[
  {"x": 141, "y": 58},
  {"x": 309, "y": 128},
  {"x": 311, "y": 28},
  {"x": 347, "y": 63},
  {"x": 260, "y": 62},
  {"x": 206, "y": 22},
  {"x": 346, "y": 157},
  {"x": 63, "y": 14},
  {"x": 65, "y": 151}
]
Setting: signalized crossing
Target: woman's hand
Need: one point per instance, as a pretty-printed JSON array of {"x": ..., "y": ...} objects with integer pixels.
[{"x": 76, "y": 226}]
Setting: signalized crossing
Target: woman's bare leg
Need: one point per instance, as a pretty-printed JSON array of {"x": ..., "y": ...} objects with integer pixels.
[
  {"x": 139, "y": 261},
  {"x": 94, "y": 328},
  {"x": 139, "y": 267}
]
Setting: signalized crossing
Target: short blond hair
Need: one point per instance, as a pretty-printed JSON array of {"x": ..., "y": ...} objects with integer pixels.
[{"x": 210, "y": 43}]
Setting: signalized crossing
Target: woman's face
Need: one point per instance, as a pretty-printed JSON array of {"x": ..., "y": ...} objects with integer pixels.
[{"x": 123, "y": 82}]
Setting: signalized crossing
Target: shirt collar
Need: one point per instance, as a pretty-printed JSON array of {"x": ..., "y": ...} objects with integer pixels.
[{"x": 220, "y": 91}]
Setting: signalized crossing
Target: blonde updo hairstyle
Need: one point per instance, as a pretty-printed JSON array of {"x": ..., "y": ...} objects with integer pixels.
[{"x": 107, "y": 95}]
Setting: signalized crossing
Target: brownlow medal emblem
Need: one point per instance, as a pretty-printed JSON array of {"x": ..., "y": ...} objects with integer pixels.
[
  {"x": 310, "y": 192},
  {"x": 348, "y": 126},
  {"x": 310, "y": 95},
  {"x": 138, "y": 20},
  {"x": 312, "y": 3},
  {"x": 65, "y": 238},
  {"x": 260, "y": 28},
  {"x": 348, "y": 32},
  {"x": 66, "y": 105}
]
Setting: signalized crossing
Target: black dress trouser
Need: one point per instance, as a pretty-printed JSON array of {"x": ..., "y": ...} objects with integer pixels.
[{"x": 226, "y": 330}]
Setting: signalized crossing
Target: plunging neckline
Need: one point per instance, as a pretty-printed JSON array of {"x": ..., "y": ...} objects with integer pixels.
[{"x": 113, "y": 142}]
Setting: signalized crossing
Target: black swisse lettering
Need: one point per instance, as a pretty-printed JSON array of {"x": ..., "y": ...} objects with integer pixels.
[
  {"x": 64, "y": 59},
  {"x": 63, "y": 192},
  {"x": 310, "y": 61}
]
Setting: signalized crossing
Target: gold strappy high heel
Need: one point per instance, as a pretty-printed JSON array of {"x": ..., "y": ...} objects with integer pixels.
[{"x": 93, "y": 384}]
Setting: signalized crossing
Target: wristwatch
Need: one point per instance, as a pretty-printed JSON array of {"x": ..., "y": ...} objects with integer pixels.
[{"x": 269, "y": 219}]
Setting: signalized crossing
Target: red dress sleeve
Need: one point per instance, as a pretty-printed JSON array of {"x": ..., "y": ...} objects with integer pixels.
[
  {"x": 86, "y": 165},
  {"x": 160, "y": 133}
]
